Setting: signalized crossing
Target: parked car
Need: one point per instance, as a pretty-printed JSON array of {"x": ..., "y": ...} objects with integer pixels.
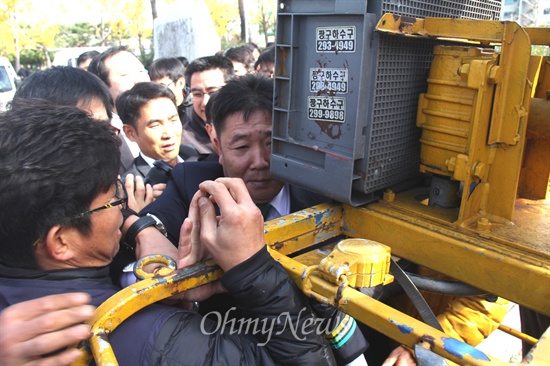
[{"x": 8, "y": 78}]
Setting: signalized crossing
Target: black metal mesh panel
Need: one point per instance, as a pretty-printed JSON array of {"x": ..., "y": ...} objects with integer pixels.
[
  {"x": 403, "y": 67},
  {"x": 465, "y": 9}
]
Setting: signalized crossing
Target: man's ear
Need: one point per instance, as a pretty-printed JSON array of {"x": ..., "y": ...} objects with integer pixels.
[
  {"x": 180, "y": 83},
  {"x": 214, "y": 138},
  {"x": 58, "y": 243},
  {"x": 130, "y": 132}
]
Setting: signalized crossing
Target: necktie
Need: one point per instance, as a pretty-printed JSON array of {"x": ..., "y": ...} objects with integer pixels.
[{"x": 264, "y": 208}]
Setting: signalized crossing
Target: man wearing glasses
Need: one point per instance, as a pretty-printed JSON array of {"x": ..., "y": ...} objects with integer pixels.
[
  {"x": 204, "y": 76},
  {"x": 60, "y": 229}
]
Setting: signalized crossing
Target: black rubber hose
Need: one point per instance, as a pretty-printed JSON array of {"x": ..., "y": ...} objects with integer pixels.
[{"x": 444, "y": 287}]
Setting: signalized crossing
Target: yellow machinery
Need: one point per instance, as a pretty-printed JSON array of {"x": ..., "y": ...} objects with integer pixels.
[{"x": 476, "y": 119}]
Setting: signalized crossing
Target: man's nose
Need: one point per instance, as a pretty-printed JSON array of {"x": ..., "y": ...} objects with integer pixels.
[
  {"x": 261, "y": 157},
  {"x": 167, "y": 131},
  {"x": 205, "y": 99}
]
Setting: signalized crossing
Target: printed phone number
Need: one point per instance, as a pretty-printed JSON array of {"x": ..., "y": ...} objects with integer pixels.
[
  {"x": 335, "y": 46},
  {"x": 326, "y": 115},
  {"x": 327, "y": 109},
  {"x": 336, "y": 39}
]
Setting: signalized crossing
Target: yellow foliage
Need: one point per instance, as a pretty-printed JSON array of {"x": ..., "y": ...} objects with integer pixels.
[{"x": 225, "y": 16}]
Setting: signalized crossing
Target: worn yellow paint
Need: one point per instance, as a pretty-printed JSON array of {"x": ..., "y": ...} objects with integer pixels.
[
  {"x": 129, "y": 300},
  {"x": 362, "y": 262},
  {"x": 292, "y": 233},
  {"x": 379, "y": 316}
]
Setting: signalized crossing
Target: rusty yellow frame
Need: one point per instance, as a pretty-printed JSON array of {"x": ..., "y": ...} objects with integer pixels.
[
  {"x": 486, "y": 262},
  {"x": 507, "y": 127},
  {"x": 428, "y": 243},
  {"x": 130, "y": 300},
  {"x": 482, "y": 262},
  {"x": 491, "y": 265}
]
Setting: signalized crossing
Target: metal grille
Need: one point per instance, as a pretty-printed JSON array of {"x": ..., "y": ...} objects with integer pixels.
[
  {"x": 402, "y": 70},
  {"x": 377, "y": 145},
  {"x": 465, "y": 9}
]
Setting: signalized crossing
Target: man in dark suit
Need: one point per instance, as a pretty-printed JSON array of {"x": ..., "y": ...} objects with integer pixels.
[
  {"x": 184, "y": 182},
  {"x": 150, "y": 116},
  {"x": 120, "y": 69},
  {"x": 241, "y": 115}
]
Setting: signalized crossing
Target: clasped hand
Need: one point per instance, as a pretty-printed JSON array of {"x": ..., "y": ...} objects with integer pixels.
[{"x": 230, "y": 238}]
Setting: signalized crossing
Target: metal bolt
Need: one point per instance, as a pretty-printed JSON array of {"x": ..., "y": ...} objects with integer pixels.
[{"x": 484, "y": 224}]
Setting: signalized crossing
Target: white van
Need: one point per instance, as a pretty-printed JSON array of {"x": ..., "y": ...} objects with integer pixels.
[
  {"x": 68, "y": 56},
  {"x": 7, "y": 82}
]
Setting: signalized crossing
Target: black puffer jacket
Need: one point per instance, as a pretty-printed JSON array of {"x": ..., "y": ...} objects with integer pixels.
[{"x": 162, "y": 335}]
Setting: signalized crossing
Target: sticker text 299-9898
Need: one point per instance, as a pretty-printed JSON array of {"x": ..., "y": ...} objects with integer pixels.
[{"x": 324, "y": 108}]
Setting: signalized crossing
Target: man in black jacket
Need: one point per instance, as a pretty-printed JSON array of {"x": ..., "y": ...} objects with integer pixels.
[
  {"x": 241, "y": 115},
  {"x": 204, "y": 76},
  {"x": 59, "y": 230}
]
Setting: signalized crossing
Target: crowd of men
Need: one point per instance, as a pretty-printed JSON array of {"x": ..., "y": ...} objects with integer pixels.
[{"x": 70, "y": 227}]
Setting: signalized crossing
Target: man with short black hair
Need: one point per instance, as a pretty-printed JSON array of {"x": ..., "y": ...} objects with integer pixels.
[
  {"x": 204, "y": 76},
  {"x": 120, "y": 70},
  {"x": 59, "y": 230},
  {"x": 85, "y": 58},
  {"x": 66, "y": 85},
  {"x": 150, "y": 118},
  {"x": 242, "y": 59},
  {"x": 169, "y": 72},
  {"x": 265, "y": 64}
]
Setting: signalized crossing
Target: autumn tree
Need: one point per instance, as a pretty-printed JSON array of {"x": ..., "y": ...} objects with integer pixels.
[
  {"x": 135, "y": 14},
  {"x": 77, "y": 35},
  {"x": 225, "y": 16},
  {"x": 266, "y": 17},
  {"x": 41, "y": 37},
  {"x": 9, "y": 35}
]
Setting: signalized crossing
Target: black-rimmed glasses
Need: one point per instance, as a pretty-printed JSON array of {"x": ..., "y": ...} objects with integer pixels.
[
  {"x": 122, "y": 199},
  {"x": 168, "y": 85},
  {"x": 200, "y": 94}
]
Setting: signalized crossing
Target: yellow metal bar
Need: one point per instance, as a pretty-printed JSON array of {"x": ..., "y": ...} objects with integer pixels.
[
  {"x": 511, "y": 106},
  {"x": 484, "y": 263},
  {"x": 524, "y": 337},
  {"x": 538, "y": 35},
  {"x": 131, "y": 299},
  {"x": 291, "y": 233},
  {"x": 381, "y": 317},
  {"x": 485, "y": 31}
]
